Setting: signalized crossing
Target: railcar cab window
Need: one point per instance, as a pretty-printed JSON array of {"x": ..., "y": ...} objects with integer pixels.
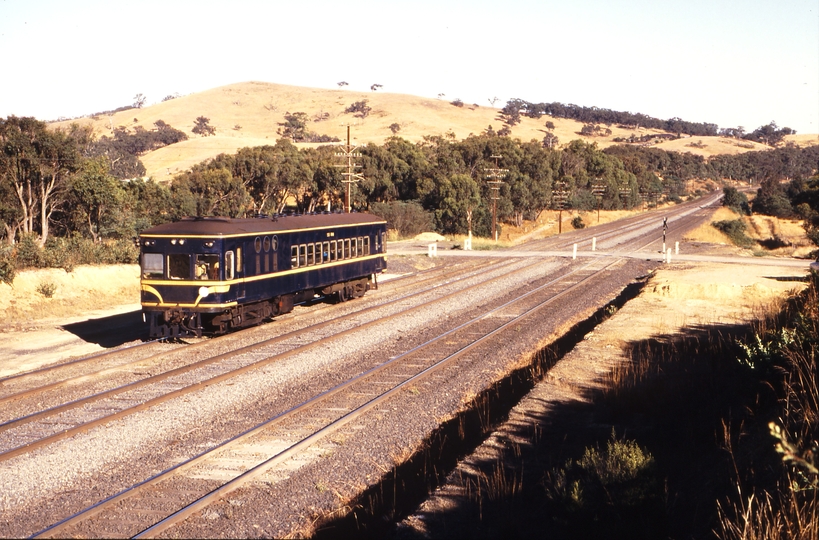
[
  {"x": 153, "y": 266},
  {"x": 179, "y": 266},
  {"x": 207, "y": 266}
]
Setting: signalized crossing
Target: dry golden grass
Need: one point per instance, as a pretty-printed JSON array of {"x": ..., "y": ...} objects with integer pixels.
[
  {"x": 248, "y": 114},
  {"x": 760, "y": 228},
  {"x": 711, "y": 146},
  {"x": 809, "y": 139},
  {"x": 708, "y": 234}
]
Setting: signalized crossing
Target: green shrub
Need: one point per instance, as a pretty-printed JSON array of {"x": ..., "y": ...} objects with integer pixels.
[
  {"x": 8, "y": 265},
  {"x": 577, "y": 223},
  {"x": 47, "y": 288},
  {"x": 28, "y": 251},
  {"x": 735, "y": 229},
  {"x": 408, "y": 218},
  {"x": 56, "y": 254},
  {"x": 621, "y": 476}
]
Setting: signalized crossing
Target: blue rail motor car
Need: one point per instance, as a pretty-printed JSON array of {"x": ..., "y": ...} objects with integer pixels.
[{"x": 210, "y": 275}]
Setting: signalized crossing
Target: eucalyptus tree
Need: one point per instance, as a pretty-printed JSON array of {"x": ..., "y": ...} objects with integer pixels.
[{"x": 35, "y": 163}]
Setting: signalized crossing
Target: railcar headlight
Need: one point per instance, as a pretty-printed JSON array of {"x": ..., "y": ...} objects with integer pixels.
[{"x": 204, "y": 291}]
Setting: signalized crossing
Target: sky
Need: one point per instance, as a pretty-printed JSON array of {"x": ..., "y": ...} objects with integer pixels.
[{"x": 728, "y": 62}]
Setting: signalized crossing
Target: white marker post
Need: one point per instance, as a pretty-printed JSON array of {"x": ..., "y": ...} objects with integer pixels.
[
  {"x": 574, "y": 252},
  {"x": 594, "y": 243}
]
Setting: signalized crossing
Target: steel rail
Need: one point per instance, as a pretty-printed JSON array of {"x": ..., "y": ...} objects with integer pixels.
[
  {"x": 69, "y": 432},
  {"x": 262, "y": 467},
  {"x": 337, "y": 424},
  {"x": 153, "y": 358},
  {"x": 114, "y": 352},
  {"x": 195, "y": 460}
]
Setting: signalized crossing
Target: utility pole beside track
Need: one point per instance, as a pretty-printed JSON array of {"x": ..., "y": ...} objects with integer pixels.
[{"x": 350, "y": 177}]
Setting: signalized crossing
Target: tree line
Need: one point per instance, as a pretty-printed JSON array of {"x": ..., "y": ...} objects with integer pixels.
[
  {"x": 769, "y": 134},
  {"x": 63, "y": 182}
]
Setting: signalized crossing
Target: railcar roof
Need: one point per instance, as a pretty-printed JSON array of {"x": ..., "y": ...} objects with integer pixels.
[{"x": 219, "y": 226}]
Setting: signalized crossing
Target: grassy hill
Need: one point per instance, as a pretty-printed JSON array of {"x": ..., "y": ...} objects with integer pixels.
[{"x": 248, "y": 114}]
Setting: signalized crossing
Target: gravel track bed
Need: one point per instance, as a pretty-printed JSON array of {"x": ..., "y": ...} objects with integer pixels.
[
  {"x": 103, "y": 460},
  {"x": 358, "y": 456},
  {"x": 142, "y": 366}
]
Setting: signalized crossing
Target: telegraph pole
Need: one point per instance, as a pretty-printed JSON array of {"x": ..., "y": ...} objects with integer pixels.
[
  {"x": 494, "y": 186},
  {"x": 350, "y": 177},
  {"x": 559, "y": 196},
  {"x": 598, "y": 188},
  {"x": 625, "y": 191}
]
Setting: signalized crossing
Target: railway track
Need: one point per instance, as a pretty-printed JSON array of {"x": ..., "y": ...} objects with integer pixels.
[
  {"x": 55, "y": 423},
  {"x": 128, "y": 513},
  {"x": 343, "y": 403}
]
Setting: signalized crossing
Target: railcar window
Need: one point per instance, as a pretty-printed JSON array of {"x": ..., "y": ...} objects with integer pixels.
[
  {"x": 238, "y": 260},
  {"x": 319, "y": 255},
  {"x": 258, "y": 244},
  {"x": 325, "y": 252},
  {"x": 266, "y": 243},
  {"x": 229, "y": 265},
  {"x": 179, "y": 266},
  {"x": 294, "y": 257},
  {"x": 153, "y": 266},
  {"x": 275, "y": 245},
  {"x": 384, "y": 241},
  {"x": 207, "y": 266},
  {"x": 347, "y": 252},
  {"x": 310, "y": 261},
  {"x": 333, "y": 250},
  {"x": 366, "y": 246},
  {"x": 354, "y": 243},
  {"x": 302, "y": 255}
]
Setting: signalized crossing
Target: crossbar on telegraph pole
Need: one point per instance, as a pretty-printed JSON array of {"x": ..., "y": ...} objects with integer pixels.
[
  {"x": 560, "y": 194},
  {"x": 350, "y": 177},
  {"x": 494, "y": 191},
  {"x": 599, "y": 188}
]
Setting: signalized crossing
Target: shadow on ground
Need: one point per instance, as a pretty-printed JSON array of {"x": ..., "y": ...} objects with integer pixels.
[
  {"x": 693, "y": 412},
  {"x": 111, "y": 331}
]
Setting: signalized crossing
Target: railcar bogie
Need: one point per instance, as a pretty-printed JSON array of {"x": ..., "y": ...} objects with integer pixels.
[{"x": 211, "y": 275}]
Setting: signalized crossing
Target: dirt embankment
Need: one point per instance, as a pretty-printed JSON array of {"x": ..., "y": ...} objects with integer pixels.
[
  {"x": 676, "y": 298},
  {"x": 40, "y": 297}
]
